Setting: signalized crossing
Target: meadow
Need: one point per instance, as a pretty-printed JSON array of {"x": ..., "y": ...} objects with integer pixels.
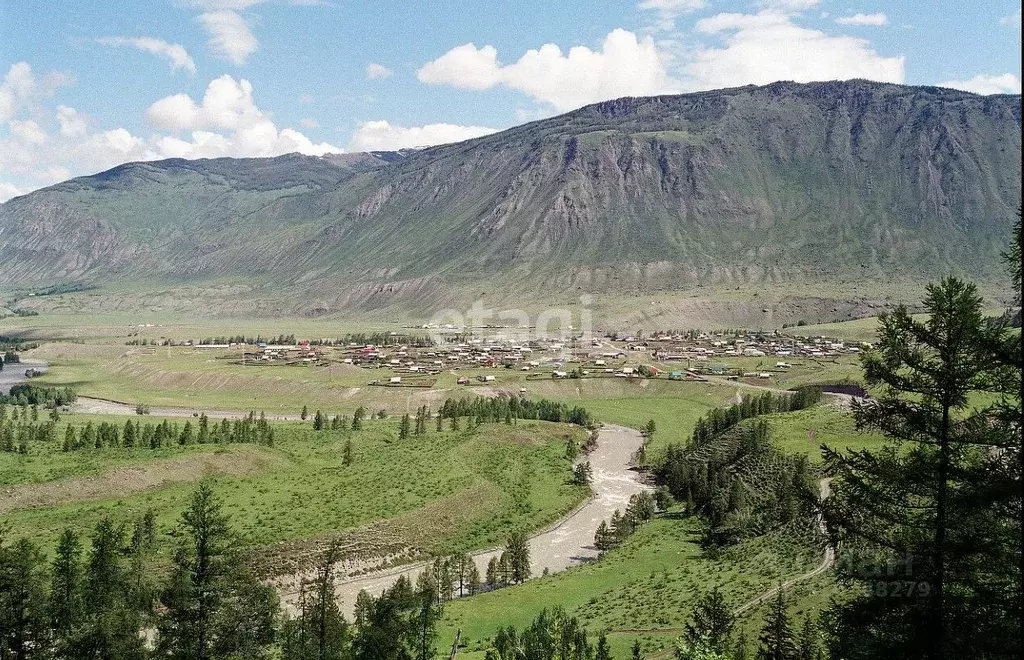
[
  {"x": 643, "y": 590},
  {"x": 436, "y": 493}
]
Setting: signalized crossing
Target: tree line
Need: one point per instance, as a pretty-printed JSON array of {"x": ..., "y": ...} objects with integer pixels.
[
  {"x": 19, "y": 432},
  {"x": 24, "y": 394}
]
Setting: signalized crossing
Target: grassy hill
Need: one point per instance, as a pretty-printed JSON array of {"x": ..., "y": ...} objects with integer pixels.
[{"x": 812, "y": 193}]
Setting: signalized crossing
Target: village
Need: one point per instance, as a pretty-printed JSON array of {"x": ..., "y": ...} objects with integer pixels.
[{"x": 472, "y": 360}]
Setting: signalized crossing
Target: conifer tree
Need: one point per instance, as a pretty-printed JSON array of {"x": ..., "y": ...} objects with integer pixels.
[{"x": 777, "y": 641}]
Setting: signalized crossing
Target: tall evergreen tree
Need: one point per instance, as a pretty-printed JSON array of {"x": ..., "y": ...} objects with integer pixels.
[
  {"x": 66, "y": 587},
  {"x": 711, "y": 622},
  {"x": 195, "y": 589},
  {"x": 24, "y": 625},
  {"x": 923, "y": 521},
  {"x": 777, "y": 641}
]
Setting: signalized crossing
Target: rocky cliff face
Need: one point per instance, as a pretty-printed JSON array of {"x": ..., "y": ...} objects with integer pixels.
[{"x": 787, "y": 183}]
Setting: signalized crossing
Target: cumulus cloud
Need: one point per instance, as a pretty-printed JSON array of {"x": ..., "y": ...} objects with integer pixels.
[
  {"x": 376, "y": 71},
  {"x": 1006, "y": 83},
  {"x": 72, "y": 123},
  {"x": 383, "y": 136},
  {"x": 231, "y": 38},
  {"x": 768, "y": 46},
  {"x": 877, "y": 19},
  {"x": 175, "y": 54},
  {"x": 623, "y": 66},
  {"x": 21, "y": 88},
  {"x": 226, "y": 123}
]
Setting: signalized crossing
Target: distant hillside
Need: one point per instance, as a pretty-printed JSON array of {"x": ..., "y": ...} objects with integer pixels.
[{"x": 786, "y": 184}]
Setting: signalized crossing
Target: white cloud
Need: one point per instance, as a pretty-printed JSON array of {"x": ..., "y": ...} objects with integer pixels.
[
  {"x": 1006, "y": 83},
  {"x": 877, "y": 19},
  {"x": 72, "y": 123},
  {"x": 227, "y": 104},
  {"x": 624, "y": 66},
  {"x": 788, "y": 6},
  {"x": 383, "y": 136},
  {"x": 226, "y": 123},
  {"x": 231, "y": 38},
  {"x": 21, "y": 88},
  {"x": 306, "y": 122},
  {"x": 9, "y": 190},
  {"x": 1013, "y": 20},
  {"x": 376, "y": 71},
  {"x": 27, "y": 131},
  {"x": 176, "y": 55},
  {"x": 766, "y": 47},
  {"x": 680, "y": 6},
  {"x": 307, "y": 99},
  {"x": 667, "y": 11}
]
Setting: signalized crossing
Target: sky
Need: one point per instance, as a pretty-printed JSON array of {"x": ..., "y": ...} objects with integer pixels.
[{"x": 90, "y": 85}]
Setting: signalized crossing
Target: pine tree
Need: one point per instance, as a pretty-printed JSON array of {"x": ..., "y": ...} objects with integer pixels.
[
  {"x": 603, "y": 651},
  {"x": 66, "y": 585},
  {"x": 492, "y": 575},
  {"x": 128, "y": 435},
  {"x": 403, "y": 427},
  {"x": 346, "y": 458},
  {"x": 24, "y": 625},
  {"x": 711, "y": 622},
  {"x": 518, "y": 550},
  {"x": 305, "y": 413},
  {"x": 473, "y": 579},
  {"x": 603, "y": 538},
  {"x": 777, "y": 641},
  {"x": 810, "y": 641},
  {"x": 636, "y": 653},
  {"x": 924, "y": 521},
  {"x": 196, "y": 586}
]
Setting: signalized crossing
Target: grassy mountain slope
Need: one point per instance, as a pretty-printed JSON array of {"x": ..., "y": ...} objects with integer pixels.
[{"x": 785, "y": 185}]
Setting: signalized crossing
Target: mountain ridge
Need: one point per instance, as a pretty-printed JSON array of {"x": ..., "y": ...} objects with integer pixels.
[{"x": 771, "y": 186}]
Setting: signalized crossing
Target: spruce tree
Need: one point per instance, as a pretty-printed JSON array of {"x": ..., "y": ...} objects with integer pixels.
[
  {"x": 924, "y": 521},
  {"x": 195, "y": 588},
  {"x": 777, "y": 642},
  {"x": 711, "y": 621},
  {"x": 66, "y": 585}
]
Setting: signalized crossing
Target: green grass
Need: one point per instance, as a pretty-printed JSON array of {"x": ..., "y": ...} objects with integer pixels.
[
  {"x": 468, "y": 488},
  {"x": 650, "y": 582},
  {"x": 830, "y": 425}
]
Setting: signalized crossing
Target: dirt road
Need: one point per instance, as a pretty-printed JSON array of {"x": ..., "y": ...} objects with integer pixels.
[{"x": 568, "y": 543}]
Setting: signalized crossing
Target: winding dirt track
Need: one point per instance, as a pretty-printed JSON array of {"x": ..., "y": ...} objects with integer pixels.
[
  {"x": 569, "y": 542},
  {"x": 827, "y": 561}
]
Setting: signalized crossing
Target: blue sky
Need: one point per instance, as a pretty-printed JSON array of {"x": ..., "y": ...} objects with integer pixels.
[{"x": 89, "y": 85}]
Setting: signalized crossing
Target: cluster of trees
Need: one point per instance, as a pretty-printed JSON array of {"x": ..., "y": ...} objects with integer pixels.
[
  {"x": 16, "y": 435},
  {"x": 640, "y": 509},
  {"x": 248, "y": 430},
  {"x": 711, "y": 634},
  {"x": 100, "y": 599},
  {"x": 553, "y": 635},
  {"x": 720, "y": 419},
  {"x": 23, "y": 394},
  {"x": 708, "y": 479},
  {"x": 510, "y": 408},
  {"x": 512, "y": 566},
  {"x": 377, "y": 339}
]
